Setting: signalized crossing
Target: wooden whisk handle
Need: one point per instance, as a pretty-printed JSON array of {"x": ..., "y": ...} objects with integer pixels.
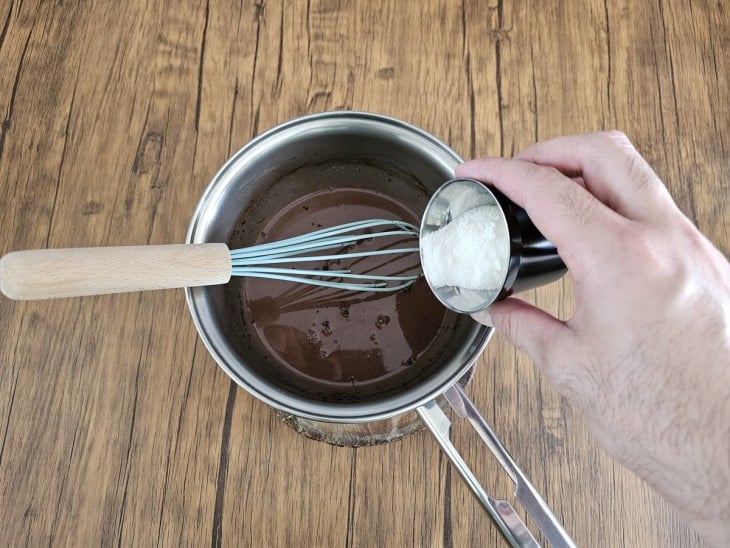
[{"x": 52, "y": 273}]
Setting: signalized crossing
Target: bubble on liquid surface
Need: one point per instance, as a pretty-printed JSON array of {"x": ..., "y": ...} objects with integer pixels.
[{"x": 381, "y": 321}]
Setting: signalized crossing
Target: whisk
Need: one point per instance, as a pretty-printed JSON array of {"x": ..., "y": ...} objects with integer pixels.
[{"x": 51, "y": 273}]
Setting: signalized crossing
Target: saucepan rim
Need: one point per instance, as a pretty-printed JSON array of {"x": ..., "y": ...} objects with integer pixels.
[{"x": 454, "y": 368}]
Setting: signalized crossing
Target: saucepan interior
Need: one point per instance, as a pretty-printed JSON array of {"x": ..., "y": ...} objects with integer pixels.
[{"x": 307, "y": 155}]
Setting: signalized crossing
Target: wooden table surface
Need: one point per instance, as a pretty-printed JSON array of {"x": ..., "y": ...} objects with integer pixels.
[{"x": 118, "y": 428}]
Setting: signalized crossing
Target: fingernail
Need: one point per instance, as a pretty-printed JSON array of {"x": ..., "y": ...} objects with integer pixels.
[{"x": 483, "y": 318}]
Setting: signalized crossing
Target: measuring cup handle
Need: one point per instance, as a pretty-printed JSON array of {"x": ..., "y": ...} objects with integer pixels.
[{"x": 510, "y": 524}]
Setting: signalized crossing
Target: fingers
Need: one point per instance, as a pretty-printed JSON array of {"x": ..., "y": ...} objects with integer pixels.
[
  {"x": 530, "y": 329},
  {"x": 564, "y": 211},
  {"x": 611, "y": 167}
]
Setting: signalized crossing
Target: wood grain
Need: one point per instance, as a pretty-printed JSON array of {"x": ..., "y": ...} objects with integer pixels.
[
  {"x": 83, "y": 271},
  {"x": 117, "y": 428}
]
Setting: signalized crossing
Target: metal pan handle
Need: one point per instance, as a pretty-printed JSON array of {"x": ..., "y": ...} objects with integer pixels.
[{"x": 513, "y": 528}]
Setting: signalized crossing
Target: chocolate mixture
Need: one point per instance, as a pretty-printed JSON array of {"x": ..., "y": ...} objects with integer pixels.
[{"x": 338, "y": 338}]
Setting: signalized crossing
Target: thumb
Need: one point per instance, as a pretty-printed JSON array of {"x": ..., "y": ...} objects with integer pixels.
[{"x": 527, "y": 327}]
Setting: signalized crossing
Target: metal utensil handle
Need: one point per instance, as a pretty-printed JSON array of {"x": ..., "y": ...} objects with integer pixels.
[
  {"x": 525, "y": 492},
  {"x": 501, "y": 511}
]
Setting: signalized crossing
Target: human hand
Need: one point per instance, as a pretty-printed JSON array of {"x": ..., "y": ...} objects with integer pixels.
[{"x": 645, "y": 359}]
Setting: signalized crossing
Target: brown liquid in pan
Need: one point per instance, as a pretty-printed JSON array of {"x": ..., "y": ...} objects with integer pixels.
[
  {"x": 344, "y": 340},
  {"x": 330, "y": 346}
]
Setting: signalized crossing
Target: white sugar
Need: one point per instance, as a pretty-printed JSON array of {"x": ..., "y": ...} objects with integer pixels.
[{"x": 471, "y": 252}]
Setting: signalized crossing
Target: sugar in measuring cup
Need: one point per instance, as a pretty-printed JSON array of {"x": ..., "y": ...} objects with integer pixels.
[{"x": 477, "y": 246}]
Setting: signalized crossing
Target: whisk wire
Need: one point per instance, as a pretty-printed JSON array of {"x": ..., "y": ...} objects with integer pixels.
[
  {"x": 321, "y": 239},
  {"x": 287, "y": 258},
  {"x": 333, "y": 273},
  {"x": 375, "y": 286},
  {"x": 405, "y": 228},
  {"x": 247, "y": 262}
]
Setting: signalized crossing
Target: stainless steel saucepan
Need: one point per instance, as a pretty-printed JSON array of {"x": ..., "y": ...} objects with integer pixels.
[{"x": 254, "y": 182}]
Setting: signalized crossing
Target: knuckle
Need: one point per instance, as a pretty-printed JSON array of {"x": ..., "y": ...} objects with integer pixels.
[
  {"x": 641, "y": 175},
  {"x": 510, "y": 326},
  {"x": 579, "y": 385},
  {"x": 532, "y": 343},
  {"x": 619, "y": 141},
  {"x": 579, "y": 205},
  {"x": 616, "y": 137},
  {"x": 537, "y": 172},
  {"x": 571, "y": 386},
  {"x": 543, "y": 174},
  {"x": 635, "y": 166},
  {"x": 636, "y": 241},
  {"x": 533, "y": 171},
  {"x": 640, "y": 240},
  {"x": 663, "y": 269}
]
